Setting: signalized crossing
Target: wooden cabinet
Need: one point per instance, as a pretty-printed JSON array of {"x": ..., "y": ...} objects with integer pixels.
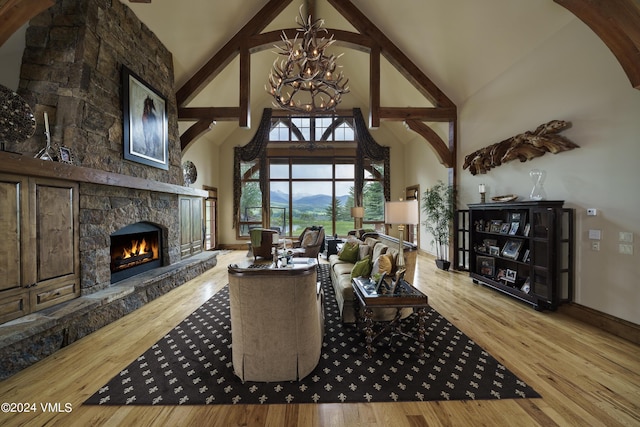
[
  {"x": 191, "y": 226},
  {"x": 39, "y": 257},
  {"x": 524, "y": 249}
]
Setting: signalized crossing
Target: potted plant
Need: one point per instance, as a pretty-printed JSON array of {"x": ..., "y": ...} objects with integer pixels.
[{"x": 437, "y": 205}]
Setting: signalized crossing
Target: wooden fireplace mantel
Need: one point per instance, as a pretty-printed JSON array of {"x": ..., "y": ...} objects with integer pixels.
[{"x": 24, "y": 165}]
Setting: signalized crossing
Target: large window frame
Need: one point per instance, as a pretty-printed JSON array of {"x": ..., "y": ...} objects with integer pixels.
[{"x": 285, "y": 142}]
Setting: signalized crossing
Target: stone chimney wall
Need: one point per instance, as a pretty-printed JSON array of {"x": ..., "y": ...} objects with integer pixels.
[{"x": 71, "y": 68}]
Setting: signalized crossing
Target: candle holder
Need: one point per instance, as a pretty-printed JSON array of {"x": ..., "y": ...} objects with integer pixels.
[
  {"x": 45, "y": 153},
  {"x": 482, "y": 191}
]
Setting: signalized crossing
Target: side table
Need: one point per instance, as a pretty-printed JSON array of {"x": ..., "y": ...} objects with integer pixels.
[
  {"x": 367, "y": 299},
  {"x": 332, "y": 246}
]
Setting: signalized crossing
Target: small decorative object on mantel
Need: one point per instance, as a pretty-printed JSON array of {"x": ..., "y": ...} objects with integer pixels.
[
  {"x": 523, "y": 147},
  {"x": 46, "y": 153},
  {"x": 65, "y": 155},
  {"x": 17, "y": 122},
  {"x": 190, "y": 172}
]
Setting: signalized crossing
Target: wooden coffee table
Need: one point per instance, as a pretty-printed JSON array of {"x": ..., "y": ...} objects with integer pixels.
[{"x": 366, "y": 299}]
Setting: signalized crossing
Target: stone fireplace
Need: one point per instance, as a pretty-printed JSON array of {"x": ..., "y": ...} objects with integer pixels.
[{"x": 71, "y": 69}]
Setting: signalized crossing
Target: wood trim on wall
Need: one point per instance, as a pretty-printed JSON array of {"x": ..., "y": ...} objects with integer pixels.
[
  {"x": 25, "y": 165},
  {"x": 606, "y": 322}
]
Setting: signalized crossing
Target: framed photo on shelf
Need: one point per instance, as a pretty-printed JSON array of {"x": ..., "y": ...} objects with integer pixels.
[
  {"x": 526, "y": 287},
  {"x": 65, "y": 155},
  {"x": 513, "y": 230},
  {"x": 511, "y": 249},
  {"x": 485, "y": 265},
  {"x": 525, "y": 258},
  {"x": 510, "y": 275},
  {"x": 146, "y": 134},
  {"x": 526, "y": 230},
  {"x": 518, "y": 217},
  {"x": 504, "y": 229},
  {"x": 496, "y": 224},
  {"x": 494, "y": 250}
]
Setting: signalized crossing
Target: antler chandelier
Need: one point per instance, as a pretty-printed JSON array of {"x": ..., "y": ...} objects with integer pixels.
[{"x": 306, "y": 80}]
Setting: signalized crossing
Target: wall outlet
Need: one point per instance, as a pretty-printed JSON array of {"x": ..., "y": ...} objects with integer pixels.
[
  {"x": 595, "y": 246},
  {"x": 592, "y": 212},
  {"x": 625, "y": 249}
]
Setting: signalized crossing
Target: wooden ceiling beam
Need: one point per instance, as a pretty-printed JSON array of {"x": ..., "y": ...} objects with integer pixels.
[
  {"x": 15, "y": 13},
  {"x": 393, "y": 54},
  {"x": 428, "y": 114},
  {"x": 224, "y": 56},
  {"x": 194, "y": 132},
  {"x": 374, "y": 88},
  {"x": 264, "y": 41},
  {"x": 208, "y": 113},
  {"x": 445, "y": 155},
  {"x": 617, "y": 23}
]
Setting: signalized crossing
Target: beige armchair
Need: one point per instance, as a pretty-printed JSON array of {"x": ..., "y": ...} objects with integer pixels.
[{"x": 277, "y": 323}]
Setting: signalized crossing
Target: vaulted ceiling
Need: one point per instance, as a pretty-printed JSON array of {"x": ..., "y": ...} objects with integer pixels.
[{"x": 455, "y": 49}]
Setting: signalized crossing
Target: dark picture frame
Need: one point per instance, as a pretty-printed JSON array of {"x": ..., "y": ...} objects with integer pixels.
[
  {"x": 64, "y": 155},
  {"x": 485, "y": 265},
  {"x": 511, "y": 248},
  {"x": 146, "y": 130}
]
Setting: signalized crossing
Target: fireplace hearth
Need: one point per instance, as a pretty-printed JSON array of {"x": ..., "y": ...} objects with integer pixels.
[{"x": 135, "y": 249}]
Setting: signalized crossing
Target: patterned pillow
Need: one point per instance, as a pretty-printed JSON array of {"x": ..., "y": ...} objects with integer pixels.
[
  {"x": 362, "y": 268},
  {"x": 309, "y": 238}
]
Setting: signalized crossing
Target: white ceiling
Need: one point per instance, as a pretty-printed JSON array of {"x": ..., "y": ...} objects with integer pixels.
[{"x": 461, "y": 45}]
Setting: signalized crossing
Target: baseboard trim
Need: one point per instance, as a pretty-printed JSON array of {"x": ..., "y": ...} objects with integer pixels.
[{"x": 608, "y": 323}]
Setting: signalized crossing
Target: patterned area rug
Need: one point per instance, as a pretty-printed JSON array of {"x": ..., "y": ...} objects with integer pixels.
[{"x": 192, "y": 365}]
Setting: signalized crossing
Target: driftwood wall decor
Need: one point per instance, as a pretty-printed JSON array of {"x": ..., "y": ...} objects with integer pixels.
[{"x": 524, "y": 146}]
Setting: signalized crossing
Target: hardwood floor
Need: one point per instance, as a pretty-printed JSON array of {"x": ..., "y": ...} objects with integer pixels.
[{"x": 586, "y": 377}]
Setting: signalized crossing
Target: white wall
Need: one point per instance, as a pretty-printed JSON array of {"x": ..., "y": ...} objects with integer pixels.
[{"x": 573, "y": 77}]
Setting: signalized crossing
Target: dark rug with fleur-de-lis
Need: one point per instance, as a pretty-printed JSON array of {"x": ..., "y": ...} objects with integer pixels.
[{"x": 192, "y": 365}]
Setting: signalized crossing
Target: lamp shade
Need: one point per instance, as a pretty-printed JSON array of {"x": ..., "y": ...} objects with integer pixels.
[
  {"x": 401, "y": 212},
  {"x": 357, "y": 212}
]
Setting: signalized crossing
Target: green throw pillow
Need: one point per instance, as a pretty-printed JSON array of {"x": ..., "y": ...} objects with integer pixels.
[
  {"x": 362, "y": 268},
  {"x": 349, "y": 253}
]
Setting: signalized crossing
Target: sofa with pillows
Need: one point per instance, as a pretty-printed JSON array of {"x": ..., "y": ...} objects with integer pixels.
[{"x": 364, "y": 258}]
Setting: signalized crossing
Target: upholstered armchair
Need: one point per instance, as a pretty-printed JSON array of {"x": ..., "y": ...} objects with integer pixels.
[
  {"x": 277, "y": 322},
  {"x": 262, "y": 242},
  {"x": 310, "y": 243}
]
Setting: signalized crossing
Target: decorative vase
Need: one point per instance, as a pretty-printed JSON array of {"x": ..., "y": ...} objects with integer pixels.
[{"x": 537, "y": 192}]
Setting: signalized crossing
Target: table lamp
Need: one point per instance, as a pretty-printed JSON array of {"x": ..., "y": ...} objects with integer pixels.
[
  {"x": 401, "y": 213},
  {"x": 357, "y": 212}
]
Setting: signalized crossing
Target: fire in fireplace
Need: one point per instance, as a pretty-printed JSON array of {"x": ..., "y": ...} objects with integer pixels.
[{"x": 134, "y": 249}]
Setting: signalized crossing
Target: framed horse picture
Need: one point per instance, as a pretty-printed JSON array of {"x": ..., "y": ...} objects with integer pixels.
[{"x": 145, "y": 123}]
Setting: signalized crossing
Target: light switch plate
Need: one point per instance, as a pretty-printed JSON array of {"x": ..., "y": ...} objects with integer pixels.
[
  {"x": 626, "y": 237},
  {"x": 595, "y": 234},
  {"x": 625, "y": 249}
]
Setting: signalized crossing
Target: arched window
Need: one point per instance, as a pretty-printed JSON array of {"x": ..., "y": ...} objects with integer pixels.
[{"x": 300, "y": 171}]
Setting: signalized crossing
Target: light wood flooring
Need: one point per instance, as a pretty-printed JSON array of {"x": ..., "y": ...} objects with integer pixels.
[{"x": 586, "y": 377}]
